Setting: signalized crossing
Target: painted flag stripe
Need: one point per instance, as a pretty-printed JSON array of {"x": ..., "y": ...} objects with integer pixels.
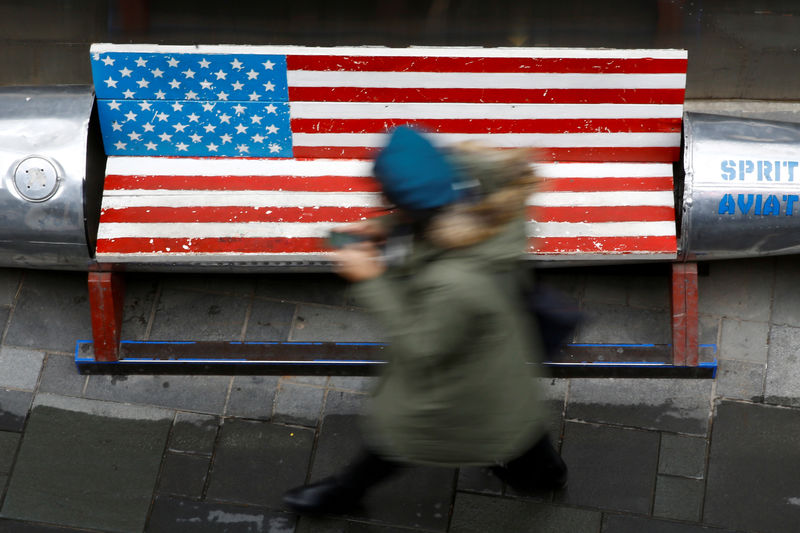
[
  {"x": 255, "y": 199},
  {"x": 604, "y": 245},
  {"x": 602, "y": 170},
  {"x": 634, "y": 213},
  {"x": 116, "y": 182},
  {"x": 607, "y": 229},
  {"x": 609, "y": 199},
  {"x": 180, "y": 215},
  {"x": 205, "y": 166},
  {"x": 661, "y": 183},
  {"x": 420, "y": 63}
]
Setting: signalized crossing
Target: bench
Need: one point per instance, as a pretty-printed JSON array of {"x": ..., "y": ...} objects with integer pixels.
[{"x": 248, "y": 155}]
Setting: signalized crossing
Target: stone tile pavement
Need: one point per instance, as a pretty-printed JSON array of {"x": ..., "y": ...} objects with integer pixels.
[{"x": 214, "y": 453}]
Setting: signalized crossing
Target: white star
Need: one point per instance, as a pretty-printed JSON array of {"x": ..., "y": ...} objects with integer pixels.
[
  {"x": 255, "y": 119},
  {"x": 143, "y": 83},
  {"x": 222, "y": 95},
  {"x": 191, "y": 95},
  {"x": 151, "y": 145},
  {"x": 209, "y": 128},
  {"x": 179, "y": 127},
  {"x": 141, "y": 62},
  {"x": 177, "y": 106},
  {"x": 241, "y": 129},
  {"x": 258, "y": 138},
  {"x": 157, "y": 73},
  {"x": 193, "y": 117},
  {"x": 252, "y": 74},
  {"x": 162, "y": 117},
  {"x": 204, "y": 63},
  {"x": 128, "y": 93},
  {"x": 172, "y": 62},
  {"x": 174, "y": 83},
  {"x": 160, "y": 95},
  {"x": 120, "y": 145},
  {"x": 208, "y": 106},
  {"x": 134, "y": 136},
  {"x": 148, "y": 127},
  {"x": 116, "y": 126},
  {"x": 108, "y": 61},
  {"x": 225, "y": 138},
  {"x": 189, "y": 73},
  {"x": 236, "y": 64},
  {"x": 269, "y": 86},
  {"x": 237, "y": 86},
  {"x": 271, "y": 109},
  {"x": 243, "y": 148},
  {"x": 272, "y": 128},
  {"x": 212, "y": 147},
  {"x": 126, "y": 72},
  {"x": 130, "y": 115},
  {"x": 273, "y": 148},
  {"x": 205, "y": 84},
  {"x": 113, "y": 104},
  {"x": 268, "y": 64},
  {"x": 221, "y": 74},
  {"x": 225, "y": 118},
  {"x": 111, "y": 82},
  {"x": 182, "y": 147},
  {"x": 239, "y": 109},
  {"x": 254, "y": 96},
  {"x": 196, "y": 138},
  {"x": 166, "y": 137},
  {"x": 145, "y": 106}
]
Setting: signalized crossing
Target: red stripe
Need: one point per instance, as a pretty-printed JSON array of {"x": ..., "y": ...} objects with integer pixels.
[
  {"x": 607, "y": 184},
  {"x": 589, "y": 65},
  {"x": 601, "y": 245},
  {"x": 646, "y": 213},
  {"x": 251, "y": 245},
  {"x": 582, "y": 125},
  {"x": 237, "y": 214},
  {"x": 647, "y": 154},
  {"x": 487, "y": 96},
  {"x": 243, "y": 183}
]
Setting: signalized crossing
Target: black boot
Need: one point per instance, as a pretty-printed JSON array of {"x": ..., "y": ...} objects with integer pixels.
[{"x": 540, "y": 468}]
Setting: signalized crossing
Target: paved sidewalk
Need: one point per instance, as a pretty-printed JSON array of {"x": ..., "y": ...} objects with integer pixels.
[{"x": 214, "y": 453}]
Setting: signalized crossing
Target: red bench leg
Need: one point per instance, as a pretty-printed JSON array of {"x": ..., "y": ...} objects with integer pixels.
[
  {"x": 685, "y": 321},
  {"x": 106, "y": 295}
]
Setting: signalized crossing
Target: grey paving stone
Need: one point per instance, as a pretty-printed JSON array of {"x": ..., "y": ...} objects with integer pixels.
[
  {"x": 479, "y": 479},
  {"x": 785, "y": 310},
  {"x": 709, "y": 326},
  {"x": 740, "y": 289},
  {"x": 320, "y": 323},
  {"x": 14, "y": 407},
  {"x": 640, "y": 524},
  {"x": 298, "y": 404},
  {"x": 171, "y": 515},
  {"x": 682, "y": 456},
  {"x": 345, "y": 403},
  {"x": 740, "y": 380},
  {"x": 194, "y": 433},
  {"x": 20, "y": 367},
  {"x": 602, "y": 325},
  {"x": 140, "y": 294},
  {"x": 752, "y": 474},
  {"x": 678, "y": 498},
  {"x": 652, "y": 291},
  {"x": 744, "y": 340},
  {"x": 52, "y": 311},
  {"x": 270, "y": 321},
  {"x": 252, "y": 397},
  {"x": 256, "y": 462},
  {"x": 230, "y": 283},
  {"x": 416, "y": 497},
  {"x": 606, "y": 289},
  {"x": 319, "y": 381},
  {"x": 609, "y": 468},
  {"x": 479, "y": 514},
  {"x": 183, "y": 475},
  {"x": 192, "y": 315},
  {"x": 8, "y": 450},
  {"x": 782, "y": 385},
  {"x": 680, "y": 406},
  {"x": 18, "y": 526},
  {"x": 87, "y": 464},
  {"x": 308, "y": 524},
  {"x": 569, "y": 282},
  {"x": 60, "y": 376},
  {"x": 327, "y": 289},
  {"x": 190, "y": 393},
  {"x": 353, "y": 383},
  {"x": 9, "y": 284}
]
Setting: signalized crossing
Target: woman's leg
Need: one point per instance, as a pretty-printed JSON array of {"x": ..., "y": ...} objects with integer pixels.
[{"x": 539, "y": 468}]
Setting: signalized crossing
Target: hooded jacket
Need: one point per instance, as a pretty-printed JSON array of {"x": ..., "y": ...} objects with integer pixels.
[{"x": 458, "y": 389}]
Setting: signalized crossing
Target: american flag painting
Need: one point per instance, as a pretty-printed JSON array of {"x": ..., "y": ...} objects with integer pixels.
[{"x": 252, "y": 153}]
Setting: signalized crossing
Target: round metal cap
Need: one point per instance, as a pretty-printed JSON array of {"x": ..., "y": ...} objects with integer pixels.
[{"x": 36, "y": 178}]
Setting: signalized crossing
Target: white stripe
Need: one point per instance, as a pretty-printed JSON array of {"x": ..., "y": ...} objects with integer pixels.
[
  {"x": 255, "y": 199},
  {"x": 482, "y": 80},
  {"x": 602, "y": 199},
  {"x": 203, "y": 230},
  {"x": 604, "y": 170},
  {"x": 439, "y": 51},
  {"x": 410, "y": 111},
  {"x": 506, "y": 140},
  {"x": 169, "y": 166},
  {"x": 601, "y": 229}
]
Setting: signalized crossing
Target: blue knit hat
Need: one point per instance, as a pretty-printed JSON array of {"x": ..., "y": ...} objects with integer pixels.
[{"x": 414, "y": 174}]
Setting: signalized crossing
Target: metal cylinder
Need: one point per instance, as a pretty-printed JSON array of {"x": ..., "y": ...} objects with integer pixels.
[
  {"x": 53, "y": 168},
  {"x": 741, "y": 193}
]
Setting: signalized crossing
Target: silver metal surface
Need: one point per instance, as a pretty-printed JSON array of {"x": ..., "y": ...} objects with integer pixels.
[
  {"x": 741, "y": 193},
  {"x": 45, "y": 160}
]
